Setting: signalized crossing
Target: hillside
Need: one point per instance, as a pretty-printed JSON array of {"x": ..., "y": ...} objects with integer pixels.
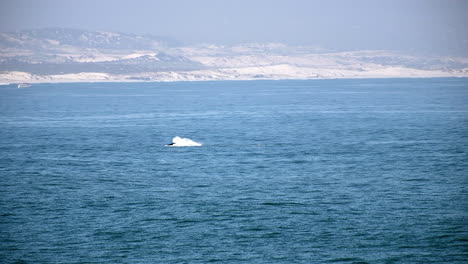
[{"x": 61, "y": 55}]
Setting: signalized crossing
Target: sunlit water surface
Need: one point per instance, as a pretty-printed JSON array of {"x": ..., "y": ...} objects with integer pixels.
[{"x": 321, "y": 171}]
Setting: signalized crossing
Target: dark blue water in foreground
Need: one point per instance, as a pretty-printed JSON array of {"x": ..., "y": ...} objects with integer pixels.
[{"x": 325, "y": 171}]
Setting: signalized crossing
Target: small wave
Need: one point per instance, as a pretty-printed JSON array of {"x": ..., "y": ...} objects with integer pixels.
[
  {"x": 183, "y": 142},
  {"x": 402, "y": 142}
]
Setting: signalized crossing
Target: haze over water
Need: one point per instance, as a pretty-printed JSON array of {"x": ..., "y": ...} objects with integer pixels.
[{"x": 341, "y": 171}]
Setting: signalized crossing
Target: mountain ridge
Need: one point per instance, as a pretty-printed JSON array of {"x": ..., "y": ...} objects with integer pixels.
[{"x": 52, "y": 54}]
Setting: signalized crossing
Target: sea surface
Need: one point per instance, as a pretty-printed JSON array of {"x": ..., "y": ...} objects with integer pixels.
[{"x": 318, "y": 171}]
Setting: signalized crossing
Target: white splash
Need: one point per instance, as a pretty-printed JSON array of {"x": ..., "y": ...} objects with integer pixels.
[{"x": 183, "y": 142}]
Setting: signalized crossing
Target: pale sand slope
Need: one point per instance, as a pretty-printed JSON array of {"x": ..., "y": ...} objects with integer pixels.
[{"x": 267, "y": 72}]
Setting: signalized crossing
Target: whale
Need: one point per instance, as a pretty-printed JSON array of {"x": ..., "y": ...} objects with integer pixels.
[{"x": 183, "y": 142}]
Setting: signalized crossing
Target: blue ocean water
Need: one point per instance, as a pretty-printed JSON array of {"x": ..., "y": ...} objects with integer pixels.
[{"x": 319, "y": 171}]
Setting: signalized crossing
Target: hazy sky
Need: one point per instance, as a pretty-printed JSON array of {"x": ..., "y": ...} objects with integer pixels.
[{"x": 439, "y": 26}]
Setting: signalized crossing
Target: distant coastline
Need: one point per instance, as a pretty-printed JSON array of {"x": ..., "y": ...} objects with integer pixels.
[
  {"x": 71, "y": 55},
  {"x": 223, "y": 75}
]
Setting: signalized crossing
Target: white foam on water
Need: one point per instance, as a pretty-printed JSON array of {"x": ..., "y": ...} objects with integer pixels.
[{"x": 183, "y": 142}]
